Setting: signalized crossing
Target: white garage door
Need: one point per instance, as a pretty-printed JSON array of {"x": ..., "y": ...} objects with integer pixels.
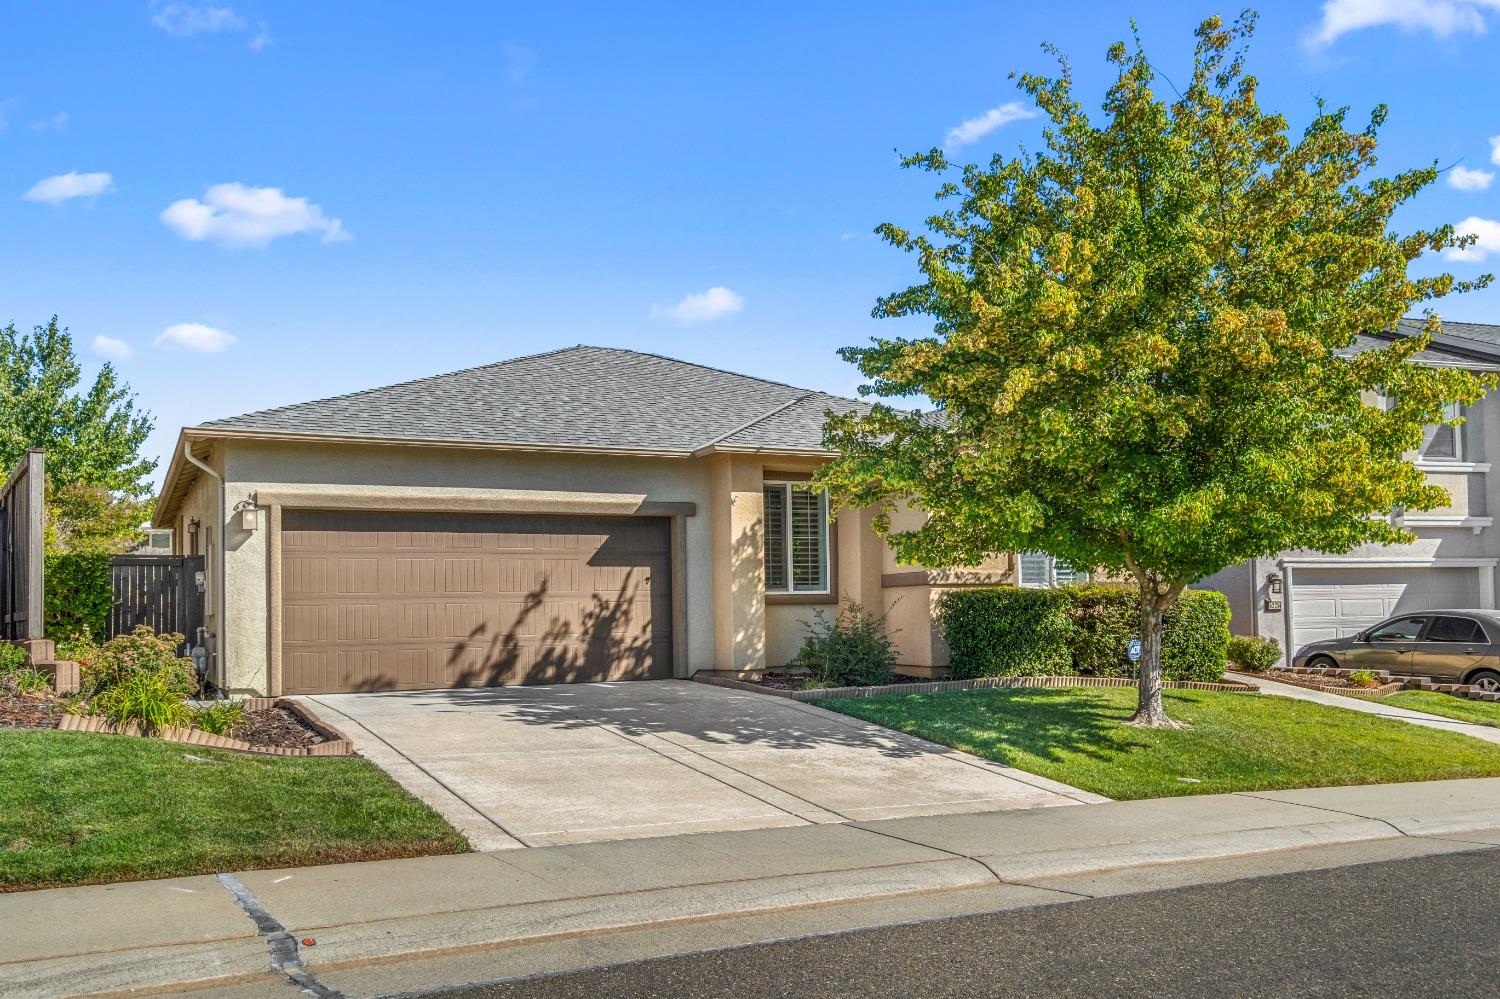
[{"x": 1334, "y": 603}]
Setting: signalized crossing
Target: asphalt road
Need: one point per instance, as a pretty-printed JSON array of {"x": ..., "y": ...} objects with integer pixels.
[{"x": 1427, "y": 927}]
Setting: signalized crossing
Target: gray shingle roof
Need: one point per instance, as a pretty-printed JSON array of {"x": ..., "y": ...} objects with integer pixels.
[
  {"x": 1474, "y": 341},
  {"x": 587, "y": 397}
]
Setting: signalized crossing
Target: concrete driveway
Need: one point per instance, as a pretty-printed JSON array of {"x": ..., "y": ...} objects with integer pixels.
[{"x": 539, "y": 766}]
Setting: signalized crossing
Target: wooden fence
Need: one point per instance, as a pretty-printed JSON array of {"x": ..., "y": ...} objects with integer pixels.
[
  {"x": 23, "y": 511},
  {"x": 159, "y": 590}
]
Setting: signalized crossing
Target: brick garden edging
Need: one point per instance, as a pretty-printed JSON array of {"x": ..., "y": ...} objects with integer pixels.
[
  {"x": 1310, "y": 682},
  {"x": 982, "y": 683},
  {"x": 338, "y": 744}
]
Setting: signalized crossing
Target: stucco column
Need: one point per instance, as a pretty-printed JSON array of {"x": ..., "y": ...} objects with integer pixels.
[
  {"x": 861, "y": 559},
  {"x": 736, "y": 509}
]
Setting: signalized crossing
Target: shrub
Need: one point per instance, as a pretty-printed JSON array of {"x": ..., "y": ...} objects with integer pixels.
[
  {"x": 219, "y": 717},
  {"x": 850, "y": 649},
  {"x": 12, "y": 658},
  {"x": 78, "y": 594},
  {"x": 140, "y": 653},
  {"x": 1362, "y": 678},
  {"x": 1105, "y": 617},
  {"x": 1195, "y": 645},
  {"x": 148, "y": 698},
  {"x": 1079, "y": 630},
  {"x": 80, "y": 648},
  {"x": 29, "y": 681},
  {"x": 1253, "y": 655},
  {"x": 1006, "y": 631}
]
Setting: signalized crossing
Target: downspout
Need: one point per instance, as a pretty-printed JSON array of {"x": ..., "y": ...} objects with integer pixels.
[{"x": 216, "y": 571}]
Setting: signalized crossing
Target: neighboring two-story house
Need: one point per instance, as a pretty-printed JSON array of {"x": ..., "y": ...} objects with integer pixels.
[{"x": 1301, "y": 596}]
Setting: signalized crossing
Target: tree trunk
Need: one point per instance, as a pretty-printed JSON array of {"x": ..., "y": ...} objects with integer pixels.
[{"x": 1149, "y": 712}]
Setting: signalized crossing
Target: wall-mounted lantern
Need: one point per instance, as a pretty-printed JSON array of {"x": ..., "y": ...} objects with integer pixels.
[
  {"x": 248, "y": 514},
  {"x": 1273, "y": 593}
]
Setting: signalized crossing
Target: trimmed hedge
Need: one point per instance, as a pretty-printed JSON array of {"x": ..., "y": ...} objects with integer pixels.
[
  {"x": 1006, "y": 632},
  {"x": 1195, "y": 643},
  {"x": 78, "y": 594},
  {"x": 1080, "y": 630}
]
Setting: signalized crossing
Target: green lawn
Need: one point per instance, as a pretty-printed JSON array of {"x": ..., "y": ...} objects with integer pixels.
[
  {"x": 1238, "y": 742},
  {"x": 1434, "y": 703},
  {"x": 83, "y": 809}
]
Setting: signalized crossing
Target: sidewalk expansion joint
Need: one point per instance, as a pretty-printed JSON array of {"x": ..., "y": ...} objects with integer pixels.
[
  {"x": 1324, "y": 808},
  {"x": 964, "y": 856},
  {"x": 285, "y": 956}
]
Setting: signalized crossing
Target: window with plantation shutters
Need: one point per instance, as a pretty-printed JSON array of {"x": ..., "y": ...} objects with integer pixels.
[
  {"x": 796, "y": 539},
  {"x": 776, "y": 561},
  {"x": 1042, "y": 571}
]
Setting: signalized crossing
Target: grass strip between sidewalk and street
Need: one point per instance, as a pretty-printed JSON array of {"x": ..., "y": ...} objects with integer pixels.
[
  {"x": 85, "y": 809},
  {"x": 1237, "y": 742},
  {"x": 1446, "y": 705}
]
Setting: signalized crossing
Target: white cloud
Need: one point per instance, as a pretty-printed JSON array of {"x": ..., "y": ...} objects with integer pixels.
[
  {"x": 1441, "y": 17},
  {"x": 65, "y": 186},
  {"x": 262, "y": 37},
  {"x": 1461, "y": 178},
  {"x": 1488, "y": 231},
  {"x": 976, "y": 128},
  {"x": 196, "y": 337},
  {"x": 56, "y": 122},
  {"x": 114, "y": 350},
  {"x": 236, "y": 215},
  {"x": 1495, "y": 149},
  {"x": 183, "y": 20},
  {"x": 715, "y": 303}
]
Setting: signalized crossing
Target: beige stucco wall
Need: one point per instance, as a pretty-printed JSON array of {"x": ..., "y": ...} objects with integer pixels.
[
  {"x": 436, "y": 473},
  {"x": 724, "y": 620}
]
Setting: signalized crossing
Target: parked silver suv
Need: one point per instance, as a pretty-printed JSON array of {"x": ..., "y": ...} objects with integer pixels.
[{"x": 1458, "y": 646}]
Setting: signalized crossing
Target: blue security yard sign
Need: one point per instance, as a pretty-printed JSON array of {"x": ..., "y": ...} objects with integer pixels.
[{"x": 1133, "y": 650}]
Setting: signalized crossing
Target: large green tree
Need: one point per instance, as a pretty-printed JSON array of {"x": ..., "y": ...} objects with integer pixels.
[
  {"x": 97, "y": 480},
  {"x": 1143, "y": 344}
]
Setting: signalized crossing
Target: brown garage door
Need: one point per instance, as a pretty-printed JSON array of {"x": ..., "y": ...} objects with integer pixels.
[{"x": 389, "y": 601}]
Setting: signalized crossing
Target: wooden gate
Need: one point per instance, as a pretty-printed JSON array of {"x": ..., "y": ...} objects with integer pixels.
[
  {"x": 157, "y": 590},
  {"x": 22, "y": 514}
]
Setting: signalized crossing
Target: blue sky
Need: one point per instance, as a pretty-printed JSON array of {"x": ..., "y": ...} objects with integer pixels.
[{"x": 359, "y": 193}]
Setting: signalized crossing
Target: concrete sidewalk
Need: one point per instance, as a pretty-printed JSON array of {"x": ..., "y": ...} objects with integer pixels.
[
  {"x": 1372, "y": 706},
  {"x": 434, "y": 920}
]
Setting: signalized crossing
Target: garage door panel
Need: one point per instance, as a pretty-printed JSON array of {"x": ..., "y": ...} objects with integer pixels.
[
  {"x": 1338, "y": 603},
  {"x": 531, "y": 599}
]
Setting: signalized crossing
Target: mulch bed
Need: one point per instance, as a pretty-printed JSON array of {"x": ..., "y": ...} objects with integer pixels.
[
  {"x": 28, "y": 712},
  {"x": 1329, "y": 683},
  {"x": 780, "y": 680},
  {"x": 276, "y": 727}
]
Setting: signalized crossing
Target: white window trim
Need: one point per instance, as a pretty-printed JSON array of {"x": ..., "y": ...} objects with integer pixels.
[
  {"x": 1442, "y": 465},
  {"x": 826, "y": 549}
]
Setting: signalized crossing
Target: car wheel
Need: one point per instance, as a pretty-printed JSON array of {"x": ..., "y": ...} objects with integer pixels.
[
  {"x": 1486, "y": 680},
  {"x": 1322, "y": 662}
]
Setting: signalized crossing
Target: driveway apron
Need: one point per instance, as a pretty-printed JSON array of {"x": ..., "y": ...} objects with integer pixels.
[{"x": 576, "y": 763}]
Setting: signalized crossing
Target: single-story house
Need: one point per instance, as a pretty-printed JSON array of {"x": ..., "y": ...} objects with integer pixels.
[
  {"x": 1297, "y": 597},
  {"x": 585, "y": 514}
]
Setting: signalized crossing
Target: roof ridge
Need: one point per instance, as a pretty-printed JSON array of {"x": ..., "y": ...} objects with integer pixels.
[
  {"x": 721, "y": 371},
  {"x": 403, "y": 384}
]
